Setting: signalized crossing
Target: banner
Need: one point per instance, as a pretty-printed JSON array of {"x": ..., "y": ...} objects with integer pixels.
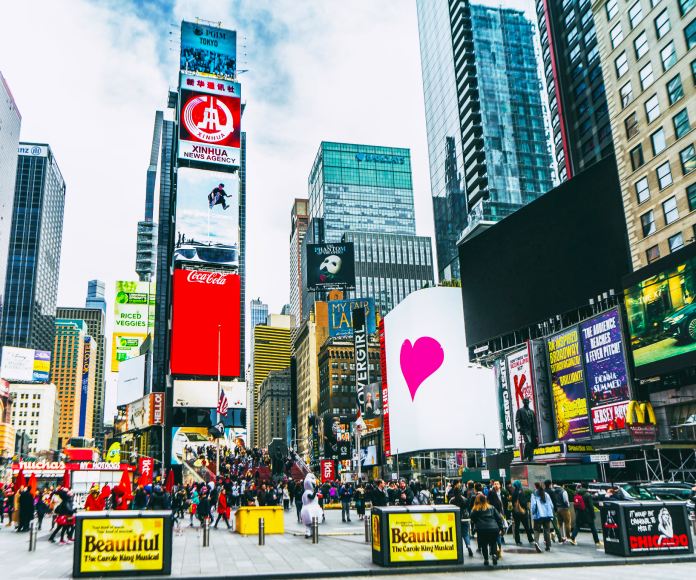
[
  {"x": 209, "y": 50},
  {"x": 328, "y": 470},
  {"x": 146, "y": 467},
  {"x": 341, "y": 316},
  {"x": 25, "y": 365},
  {"x": 84, "y": 391},
  {"x": 330, "y": 266},
  {"x": 362, "y": 361},
  {"x": 505, "y": 405},
  {"x": 520, "y": 381},
  {"x": 386, "y": 433},
  {"x": 608, "y": 390},
  {"x": 658, "y": 529},
  {"x": 422, "y": 537},
  {"x": 134, "y": 319}
]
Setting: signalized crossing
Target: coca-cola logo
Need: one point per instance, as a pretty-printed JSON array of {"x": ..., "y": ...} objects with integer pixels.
[{"x": 207, "y": 277}]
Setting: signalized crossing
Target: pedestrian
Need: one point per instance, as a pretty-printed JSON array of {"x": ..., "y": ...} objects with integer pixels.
[
  {"x": 2, "y": 503},
  {"x": 542, "y": 514},
  {"x": 94, "y": 502},
  {"x": 461, "y": 502},
  {"x": 159, "y": 500},
  {"x": 562, "y": 506},
  {"x": 489, "y": 525},
  {"x": 26, "y": 509},
  {"x": 379, "y": 497},
  {"x": 42, "y": 508},
  {"x": 359, "y": 498},
  {"x": 223, "y": 509},
  {"x": 298, "y": 502},
  {"x": 286, "y": 497},
  {"x": 392, "y": 493},
  {"x": 204, "y": 510},
  {"x": 495, "y": 499},
  {"x": 64, "y": 511},
  {"x": 345, "y": 494},
  {"x": 584, "y": 515},
  {"x": 140, "y": 499},
  {"x": 520, "y": 512},
  {"x": 405, "y": 494},
  {"x": 193, "y": 505}
]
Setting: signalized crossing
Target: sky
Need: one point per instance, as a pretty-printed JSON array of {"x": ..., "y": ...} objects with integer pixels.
[{"x": 88, "y": 77}]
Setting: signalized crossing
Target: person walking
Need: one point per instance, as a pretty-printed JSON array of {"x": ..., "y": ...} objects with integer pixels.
[
  {"x": 379, "y": 496},
  {"x": 584, "y": 515},
  {"x": 193, "y": 505},
  {"x": 542, "y": 514},
  {"x": 204, "y": 510},
  {"x": 26, "y": 509},
  {"x": 298, "y": 503},
  {"x": 159, "y": 500},
  {"x": 359, "y": 497},
  {"x": 495, "y": 499},
  {"x": 345, "y": 495},
  {"x": 461, "y": 502},
  {"x": 286, "y": 497},
  {"x": 562, "y": 505},
  {"x": 42, "y": 507},
  {"x": 404, "y": 494},
  {"x": 64, "y": 511},
  {"x": 555, "y": 533},
  {"x": 223, "y": 509},
  {"x": 489, "y": 525},
  {"x": 520, "y": 513}
]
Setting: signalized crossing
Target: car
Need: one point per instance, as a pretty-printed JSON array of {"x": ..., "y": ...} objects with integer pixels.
[
  {"x": 681, "y": 324},
  {"x": 674, "y": 491}
]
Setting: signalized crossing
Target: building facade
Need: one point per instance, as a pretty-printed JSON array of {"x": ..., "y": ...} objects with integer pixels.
[
  {"x": 33, "y": 265},
  {"x": 95, "y": 320},
  {"x": 10, "y": 124},
  {"x": 388, "y": 267},
  {"x": 361, "y": 188},
  {"x": 299, "y": 221},
  {"x": 274, "y": 406},
  {"x": 645, "y": 49},
  {"x": 95, "y": 295},
  {"x": 487, "y": 142},
  {"x": 36, "y": 412},
  {"x": 258, "y": 313},
  {"x": 577, "y": 99}
]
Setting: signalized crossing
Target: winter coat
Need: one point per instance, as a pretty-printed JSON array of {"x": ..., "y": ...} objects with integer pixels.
[
  {"x": 159, "y": 500},
  {"x": 222, "y": 508},
  {"x": 94, "y": 502},
  {"x": 487, "y": 520},
  {"x": 541, "y": 510},
  {"x": 379, "y": 498}
]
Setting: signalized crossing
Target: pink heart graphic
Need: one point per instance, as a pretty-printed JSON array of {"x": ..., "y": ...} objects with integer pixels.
[{"x": 419, "y": 361}]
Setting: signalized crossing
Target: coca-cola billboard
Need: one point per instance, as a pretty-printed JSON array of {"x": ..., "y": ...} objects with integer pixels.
[{"x": 206, "y": 305}]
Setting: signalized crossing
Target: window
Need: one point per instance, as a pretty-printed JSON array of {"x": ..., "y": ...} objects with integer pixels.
[
  {"x": 675, "y": 242},
  {"x": 691, "y": 196},
  {"x": 575, "y": 53},
  {"x": 637, "y": 157},
  {"x": 635, "y": 14},
  {"x": 664, "y": 175},
  {"x": 668, "y": 56},
  {"x": 662, "y": 25},
  {"x": 693, "y": 70},
  {"x": 616, "y": 35},
  {"x": 631, "y": 124},
  {"x": 626, "y": 93},
  {"x": 658, "y": 141},
  {"x": 690, "y": 35},
  {"x": 675, "y": 90},
  {"x": 647, "y": 221},
  {"x": 646, "y": 76},
  {"x": 688, "y": 159},
  {"x": 621, "y": 64},
  {"x": 641, "y": 45},
  {"x": 686, "y": 5},
  {"x": 669, "y": 208},
  {"x": 652, "y": 108},
  {"x": 681, "y": 123},
  {"x": 642, "y": 190},
  {"x": 612, "y": 8}
]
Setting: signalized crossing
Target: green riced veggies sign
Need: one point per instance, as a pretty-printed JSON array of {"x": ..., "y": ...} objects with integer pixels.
[{"x": 134, "y": 319}]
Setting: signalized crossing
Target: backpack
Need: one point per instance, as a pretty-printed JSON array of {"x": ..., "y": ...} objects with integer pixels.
[
  {"x": 579, "y": 502},
  {"x": 557, "y": 498}
]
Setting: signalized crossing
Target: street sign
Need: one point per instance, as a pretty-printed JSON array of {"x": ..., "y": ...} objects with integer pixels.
[
  {"x": 485, "y": 474},
  {"x": 502, "y": 472},
  {"x": 395, "y": 476},
  {"x": 617, "y": 464},
  {"x": 599, "y": 458}
]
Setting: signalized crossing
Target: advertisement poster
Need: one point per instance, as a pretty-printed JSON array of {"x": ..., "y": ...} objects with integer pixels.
[
  {"x": 341, "y": 316},
  {"x": 606, "y": 375},
  {"x": 192, "y": 447},
  {"x": 520, "y": 381},
  {"x": 376, "y": 530},
  {"x": 422, "y": 537},
  {"x": 205, "y": 393},
  {"x": 505, "y": 404},
  {"x": 209, "y": 121},
  {"x": 362, "y": 359},
  {"x": 134, "y": 319},
  {"x": 145, "y": 412},
  {"x": 655, "y": 529},
  {"x": 568, "y": 385},
  {"x": 121, "y": 545},
  {"x": 25, "y": 365},
  {"x": 328, "y": 470},
  {"x": 330, "y": 266},
  {"x": 205, "y": 304},
  {"x": 661, "y": 313},
  {"x": 207, "y": 218},
  {"x": 84, "y": 387},
  {"x": 336, "y": 437},
  {"x": 208, "y": 50},
  {"x": 373, "y": 406},
  {"x": 369, "y": 456}
]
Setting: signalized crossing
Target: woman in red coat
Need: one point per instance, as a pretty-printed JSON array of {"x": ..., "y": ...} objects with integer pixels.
[
  {"x": 223, "y": 509},
  {"x": 95, "y": 502}
]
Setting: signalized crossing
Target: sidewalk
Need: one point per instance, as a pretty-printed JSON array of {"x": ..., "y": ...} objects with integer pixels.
[{"x": 341, "y": 551}]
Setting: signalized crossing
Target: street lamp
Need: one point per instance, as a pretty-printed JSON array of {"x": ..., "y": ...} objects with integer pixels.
[{"x": 484, "y": 458}]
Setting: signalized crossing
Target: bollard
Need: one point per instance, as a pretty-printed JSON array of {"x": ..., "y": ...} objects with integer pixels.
[
  {"x": 206, "y": 532},
  {"x": 262, "y": 532},
  {"x": 315, "y": 530},
  {"x": 368, "y": 529},
  {"x": 33, "y": 534}
]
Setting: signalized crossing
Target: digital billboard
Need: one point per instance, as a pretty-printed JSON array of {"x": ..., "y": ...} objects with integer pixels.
[
  {"x": 193, "y": 446},
  {"x": 337, "y": 444},
  {"x": 145, "y": 412},
  {"x": 606, "y": 373},
  {"x": 134, "y": 319},
  {"x": 25, "y": 365},
  {"x": 330, "y": 266},
  {"x": 205, "y": 304},
  {"x": 204, "y": 393},
  {"x": 84, "y": 390},
  {"x": 210, "y": 113},
  {"x": 341, "y": 316},
  {"x": 661, "y": 308},
  {"x": 207, "y": 218},
  {"x": 430, "y": 383},
  {"x": 208, "y": 50}
]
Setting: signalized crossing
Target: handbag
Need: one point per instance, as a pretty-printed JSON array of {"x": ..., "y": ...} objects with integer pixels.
[{"x": 61, "y": 520}]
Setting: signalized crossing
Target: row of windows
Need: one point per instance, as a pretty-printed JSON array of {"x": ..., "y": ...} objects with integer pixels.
[{"x": 682, "y": 126}]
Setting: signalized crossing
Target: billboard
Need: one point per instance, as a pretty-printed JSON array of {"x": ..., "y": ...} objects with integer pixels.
[
  {"x": 203, "y": 394},
  {"x": 606, "y": 373},
  {"x": 341, "y": 316},
  {"x": 192, "y": 446},
  {"x": 661, "y": 307},
  {"x": 134, "y": 319},
  {"x": 210, "y": 113},
  {"x": 430, "y": 383},
  {"x": 208, "y": 50},
  {"x": 207, "y": 218},
  {"x": 145, "y": 412},
  {"x": 25, "y": 365},
  {"x": 84, "y": 391},
  {"x": 205, "y": 305},
  {"x": 369, "y": 456},
  {"x": 568, "y": 385},
  {"x": 362, "y": 359},
  {"x": 131, "y": 380},
  {"x": 330, "y": 266},
  {"x": 520, "y": 382},
  {"x": 336, "y": 437},
  {"x": 507, "y": 420}
]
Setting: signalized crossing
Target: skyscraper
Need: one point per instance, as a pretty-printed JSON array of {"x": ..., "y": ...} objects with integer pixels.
[
  {"x": 95, "y": 318},
  {"x": 95, "y": 295},
  {"x": 258, "y": 313},
  {"x": 10, "y": 123},
  {"x": 577, "y": 100},
  {"x": 31, "y": 286},
  {"x": 146, "y": 252},
  {"x": 299, "y": 220},
  {"x": 488, "y": 149},
  {"x": 362, "y": 188}
]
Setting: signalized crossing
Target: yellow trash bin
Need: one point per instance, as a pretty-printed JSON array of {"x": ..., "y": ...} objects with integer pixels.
[{"x": 246, "y": 520}]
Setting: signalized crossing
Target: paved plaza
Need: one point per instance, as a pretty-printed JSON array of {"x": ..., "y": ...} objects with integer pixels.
[{"x": 341, "y": 551}]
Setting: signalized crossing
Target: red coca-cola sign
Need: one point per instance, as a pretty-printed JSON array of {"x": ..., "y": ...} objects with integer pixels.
[{"x": 206, "y": 308}]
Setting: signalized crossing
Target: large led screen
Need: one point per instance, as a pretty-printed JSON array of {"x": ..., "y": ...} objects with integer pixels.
[
  {"x": 206, "y": 305},
  {"x": 208, "y": 50},
  {"x": 330, "y": 266}
]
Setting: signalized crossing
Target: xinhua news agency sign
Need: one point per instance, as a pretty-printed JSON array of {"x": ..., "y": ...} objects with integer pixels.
[{"x": 362, "y": 372}]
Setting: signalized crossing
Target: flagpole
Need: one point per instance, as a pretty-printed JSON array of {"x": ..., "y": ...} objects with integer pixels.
[{"x": 217, "y": 470}]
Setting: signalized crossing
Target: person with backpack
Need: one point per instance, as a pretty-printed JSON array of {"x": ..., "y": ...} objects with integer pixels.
[
  {"x": 584, "y": 515},
  {"x": 562, "y": 505},
  {"x": 520, "y": 513},
  {"x": 542, "y": 514},
  {"x": 556, "y": 533},
  {"x": 462, "y": 503}
]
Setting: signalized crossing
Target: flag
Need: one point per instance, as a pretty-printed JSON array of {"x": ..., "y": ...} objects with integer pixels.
[
  {"x": 21, "y": 480},
  {"x": 32, "y": 484},
  {"x": 66, "y": 479},
  {"x": 222, "y": 404},
  {"x": 169, "y": 484},
  {"x": 125, "y": 483}
]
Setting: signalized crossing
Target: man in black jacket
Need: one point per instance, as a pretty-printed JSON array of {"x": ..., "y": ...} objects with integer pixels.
[{"x": 379, "y": 495}]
